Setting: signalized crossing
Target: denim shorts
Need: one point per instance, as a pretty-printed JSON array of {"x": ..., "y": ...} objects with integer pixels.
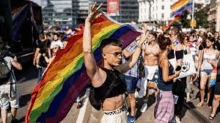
[
  {"x": 206, "y": 72},
  {"x": 131, "y": 84}
]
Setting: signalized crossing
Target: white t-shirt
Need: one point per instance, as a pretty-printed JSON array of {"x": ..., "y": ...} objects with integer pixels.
[
  {"x": 58, "y": 42},
  {"x": 9, "y": 61}
]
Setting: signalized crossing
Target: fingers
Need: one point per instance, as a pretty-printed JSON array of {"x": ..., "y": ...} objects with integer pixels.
[
  {"x": 99, "y": 8},
  {"x": 93, "y": 7}
]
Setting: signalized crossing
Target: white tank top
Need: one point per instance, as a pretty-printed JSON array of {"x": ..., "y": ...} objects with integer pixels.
[{"x": 205, "y": 64}]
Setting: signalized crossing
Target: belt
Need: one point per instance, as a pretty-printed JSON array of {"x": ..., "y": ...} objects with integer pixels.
[{"x": 117, "y": 111}]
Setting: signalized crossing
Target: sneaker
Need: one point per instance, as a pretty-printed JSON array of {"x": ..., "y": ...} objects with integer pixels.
[
  {"x": 136, "y": 94},
  {"x": 131, "y": 119},
  {"x": 144, "y": 107},
  {"x": 177, "y": 119}
]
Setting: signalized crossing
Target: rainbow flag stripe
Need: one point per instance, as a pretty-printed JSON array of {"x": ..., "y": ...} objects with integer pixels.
[
  {"x": 66, "y": 77},
  {"x": 179, "y": 12},
  {"x": 179, "y": 4},
  {"x": 176, "y": 21}
]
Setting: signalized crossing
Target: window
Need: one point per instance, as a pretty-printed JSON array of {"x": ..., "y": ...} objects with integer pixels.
[
  {"x": 156, "y": 8},
  {"x": 162, "y": 15},
  {"x": 162, "y": 7}
]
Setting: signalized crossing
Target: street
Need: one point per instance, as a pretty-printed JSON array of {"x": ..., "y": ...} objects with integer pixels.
[{"x": 27, "y": 80}]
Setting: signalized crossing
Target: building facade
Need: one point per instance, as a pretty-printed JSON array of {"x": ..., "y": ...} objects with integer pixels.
[
  {"x": 74, "y": 12},
  {"x": 128, "y": 10},
  {"x": 213, "y": 12},
  {"x": 155, "y": 10},
  {"x": 57, "y": 12}
]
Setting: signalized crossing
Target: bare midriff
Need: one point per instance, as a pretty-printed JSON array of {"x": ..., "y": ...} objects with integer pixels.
[
  {"x": 113, "y": 103},
  {"x": 150, "y": 60}
]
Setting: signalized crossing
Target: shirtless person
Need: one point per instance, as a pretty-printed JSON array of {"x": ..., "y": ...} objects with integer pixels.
[
  {"x": 102, "y": 78},
  {"x": 151, "y": 52}
]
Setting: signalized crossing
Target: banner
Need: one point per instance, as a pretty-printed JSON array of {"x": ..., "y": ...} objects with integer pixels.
[{"x": 113, "y": 7}]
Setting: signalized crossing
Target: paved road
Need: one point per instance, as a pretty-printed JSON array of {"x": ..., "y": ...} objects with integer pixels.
[{"x": 27, "y": 81}]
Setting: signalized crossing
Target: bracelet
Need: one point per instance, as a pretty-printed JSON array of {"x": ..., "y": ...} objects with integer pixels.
[{"x": 87, "y": 51}]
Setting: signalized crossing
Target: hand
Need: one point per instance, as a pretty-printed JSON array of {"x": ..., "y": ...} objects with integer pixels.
[
  {"x": 209, "y": 61},
  {"x": 143, "y": 37},
  {"x": 195, "y": 78},
  {"x": 34, "y": 62},
  {"x": 38, "y": 66},
  {"x": 15, "y": 59},
  {"x": 177, "y": 73},
  {"x": 93, "y": 13}
]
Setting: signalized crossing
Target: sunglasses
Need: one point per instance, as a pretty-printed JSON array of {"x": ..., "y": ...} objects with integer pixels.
[
  {"x": 116, "y": 54},
  {"x": 55, "y": 48}
]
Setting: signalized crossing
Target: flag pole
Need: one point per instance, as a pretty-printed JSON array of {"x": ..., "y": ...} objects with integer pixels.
[{"x": 193, "y": 13}]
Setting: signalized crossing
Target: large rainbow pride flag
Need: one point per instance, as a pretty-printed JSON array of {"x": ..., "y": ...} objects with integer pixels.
[
  {"x": 178, "y": 5},
  {"x": 66, "y": 77},
  {"x": 180, "y": 11}
]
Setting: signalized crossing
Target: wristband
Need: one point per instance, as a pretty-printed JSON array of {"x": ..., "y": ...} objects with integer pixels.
[
  {"x": 178, "y": 68},
  {"x": 87, "y": 51}
]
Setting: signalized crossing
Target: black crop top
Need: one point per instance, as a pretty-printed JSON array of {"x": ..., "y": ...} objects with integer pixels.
[{"x": 118, "y": 86}]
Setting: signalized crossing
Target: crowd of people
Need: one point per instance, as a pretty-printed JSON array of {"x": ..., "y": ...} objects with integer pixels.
[{"x": 151, "y": 65}]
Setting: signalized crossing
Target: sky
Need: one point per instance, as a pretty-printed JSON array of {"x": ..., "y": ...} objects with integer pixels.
[{"x": 37, "y": 1}]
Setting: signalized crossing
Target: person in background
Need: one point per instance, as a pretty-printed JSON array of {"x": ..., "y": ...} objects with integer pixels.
[
  {"x": 131, "y": 78},
  {"x": 64, "y": 41},
  {"x": 206, "y": 68},
  {"x": 38, "y": 61},
  {"x": 176, "y": 51},
  {"x": 9, "y": 95},
  {"x": 164, "y": 108},
  {"x": 215, "y": 103},
  {"x": 56, "y": 41},
  {"x": 150, "y": 54}
]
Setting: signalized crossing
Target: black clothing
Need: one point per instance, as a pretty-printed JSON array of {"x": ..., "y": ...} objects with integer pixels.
[
  {"x": 42, "y": 61},
  {"x": 42, "y": 46},
  {"x": 180, "y": 85},
  {"x": 179, "y": 90},
  {"x": 179, "y": 54},
  {"x": 119, "y": 87},
  {"x": 217, "y": 86},
  {"x": 202, "y": 46},
  {"x": 113, "y": 86},
  {"x": 43, "y": 49}
]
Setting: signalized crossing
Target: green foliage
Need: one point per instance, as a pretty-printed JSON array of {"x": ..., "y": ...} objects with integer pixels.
[{"x": 199, "y": 15}]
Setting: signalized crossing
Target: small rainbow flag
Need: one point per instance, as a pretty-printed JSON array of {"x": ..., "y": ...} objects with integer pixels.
[
  {"x": 176, "y": 21},
  {"x": 178, "y": 5},
  {"x": 66, "y": 77},
  {"x": 179, "y": 12}
]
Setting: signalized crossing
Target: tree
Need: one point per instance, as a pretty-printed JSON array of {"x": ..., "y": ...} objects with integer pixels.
[{"x": 201, "y": 16}]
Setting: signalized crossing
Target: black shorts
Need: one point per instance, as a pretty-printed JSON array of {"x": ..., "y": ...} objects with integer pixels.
[{"x": 217, "y": 88}]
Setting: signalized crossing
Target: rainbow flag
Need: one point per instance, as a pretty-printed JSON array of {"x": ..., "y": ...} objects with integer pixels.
[
  {"x": 174, "y": 22},
  {"x": 179, "y": 12},
  {"x": 66, "y": 77},
  {"x": 178, "y": 5}
]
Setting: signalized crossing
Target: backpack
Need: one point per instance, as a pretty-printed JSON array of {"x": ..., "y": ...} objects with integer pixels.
[{"x": 4, "y": 70}]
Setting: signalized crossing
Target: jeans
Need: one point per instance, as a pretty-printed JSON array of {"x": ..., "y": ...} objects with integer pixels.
[
  {"x": 40, "y": 73},
  {"x": 131, "y": 84}
]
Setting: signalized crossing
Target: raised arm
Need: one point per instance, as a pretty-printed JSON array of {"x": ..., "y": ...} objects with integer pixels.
[
  {"x": 90, "y": 62},
  {"x": 134, "y": 58}
]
